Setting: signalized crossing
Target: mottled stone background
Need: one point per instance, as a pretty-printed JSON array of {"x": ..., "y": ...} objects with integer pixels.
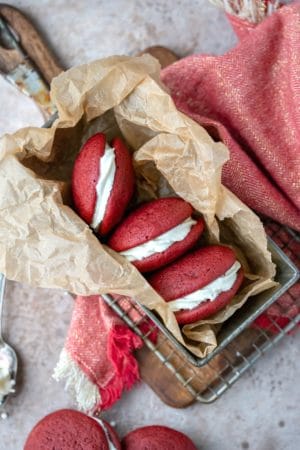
[{"x": 261, "y": 411}]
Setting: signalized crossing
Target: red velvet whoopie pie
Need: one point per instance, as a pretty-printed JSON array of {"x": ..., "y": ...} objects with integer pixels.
[
  {"x": 199, "y": 284},
  {"x": 67, "y": 429},
  {"x": 157, "y": 233},
  {"x": 157, "y": 437},
  {"x": 102, "y": 182}
]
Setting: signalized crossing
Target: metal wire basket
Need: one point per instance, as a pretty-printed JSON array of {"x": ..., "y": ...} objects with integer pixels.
[{"x": 208, "y": 382}]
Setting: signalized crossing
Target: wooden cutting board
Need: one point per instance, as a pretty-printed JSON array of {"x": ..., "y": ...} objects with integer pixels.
[
  {"x": 153, "y": 371},
  {"x": 172, "y": 391}
]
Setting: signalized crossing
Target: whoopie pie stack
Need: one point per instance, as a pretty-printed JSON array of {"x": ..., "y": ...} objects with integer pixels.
[
  {"x": 160, "y": 238},
  {"x": 67, "y": 429}
]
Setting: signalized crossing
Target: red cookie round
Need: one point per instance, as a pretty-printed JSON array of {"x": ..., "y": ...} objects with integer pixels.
[
  {"x": 156, "y": 437},
  {"x": 148, "y": 222},
  {"x": 193, "y": 272},
  {"x": 86, "y": 173},
  {"x": 67, "y": 429}
]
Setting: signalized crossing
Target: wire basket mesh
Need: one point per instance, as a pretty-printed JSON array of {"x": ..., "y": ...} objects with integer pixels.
[{"x": 207, "y": 383}]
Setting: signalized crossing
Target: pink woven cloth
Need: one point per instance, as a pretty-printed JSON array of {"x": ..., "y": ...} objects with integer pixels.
[
  {"x": 101, "y": 345},
  {"x": 249, "y": 98}
]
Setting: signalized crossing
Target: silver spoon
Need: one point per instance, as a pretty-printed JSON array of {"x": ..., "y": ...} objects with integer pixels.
[{"x": 8, "y": 360}]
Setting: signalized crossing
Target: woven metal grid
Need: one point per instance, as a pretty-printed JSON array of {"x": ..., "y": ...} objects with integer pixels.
[{"x": 208, "y": 383}]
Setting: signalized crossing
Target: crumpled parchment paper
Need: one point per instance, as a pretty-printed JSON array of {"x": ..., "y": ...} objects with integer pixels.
[{"x": 42, "y": 240}]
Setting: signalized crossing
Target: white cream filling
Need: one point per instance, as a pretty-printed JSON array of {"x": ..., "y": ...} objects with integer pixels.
[
  {"x": 107, "y": 170},
  {"x": 109, "y": 441},
  {"x": 209, "y": 292},
  {"x": 160, "y": 243}
]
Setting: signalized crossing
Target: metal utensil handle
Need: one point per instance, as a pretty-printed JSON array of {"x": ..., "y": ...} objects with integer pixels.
[
  {"x": 23, "y": 74},
  {"x": 28, "y": 80},
  {"x": 2, "y": 289}
]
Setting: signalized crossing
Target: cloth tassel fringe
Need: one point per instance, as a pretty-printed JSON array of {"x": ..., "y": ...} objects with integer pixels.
[
  {"x": 89, "y": 396},
  {"x": 122, "y": 341},
  {"x": 252, "y": 10},
  {"x": 78, "y": 384}
]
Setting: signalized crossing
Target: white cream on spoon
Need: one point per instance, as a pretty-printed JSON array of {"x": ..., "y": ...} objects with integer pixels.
[
  {"x": 8, "y": 358},
  {"x": 6, "y": 381}
]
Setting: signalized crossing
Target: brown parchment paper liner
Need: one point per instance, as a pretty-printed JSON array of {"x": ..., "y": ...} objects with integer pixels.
[{"x": 42, "y": 240}]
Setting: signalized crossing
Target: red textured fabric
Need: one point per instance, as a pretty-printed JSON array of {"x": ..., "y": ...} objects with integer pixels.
[
  {"x": 241, "y": 27},
  {"x": 249, "y": 98},
  {"x": 101, "y": 345}
]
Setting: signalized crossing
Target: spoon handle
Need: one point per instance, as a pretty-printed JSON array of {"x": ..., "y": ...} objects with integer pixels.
[{"x": 2, "y": 288}]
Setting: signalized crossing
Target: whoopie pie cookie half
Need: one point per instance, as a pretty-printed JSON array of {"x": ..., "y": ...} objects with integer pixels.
[
  {"x": 157, "y": 437},
  {"x": 67, "y": 429}
]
